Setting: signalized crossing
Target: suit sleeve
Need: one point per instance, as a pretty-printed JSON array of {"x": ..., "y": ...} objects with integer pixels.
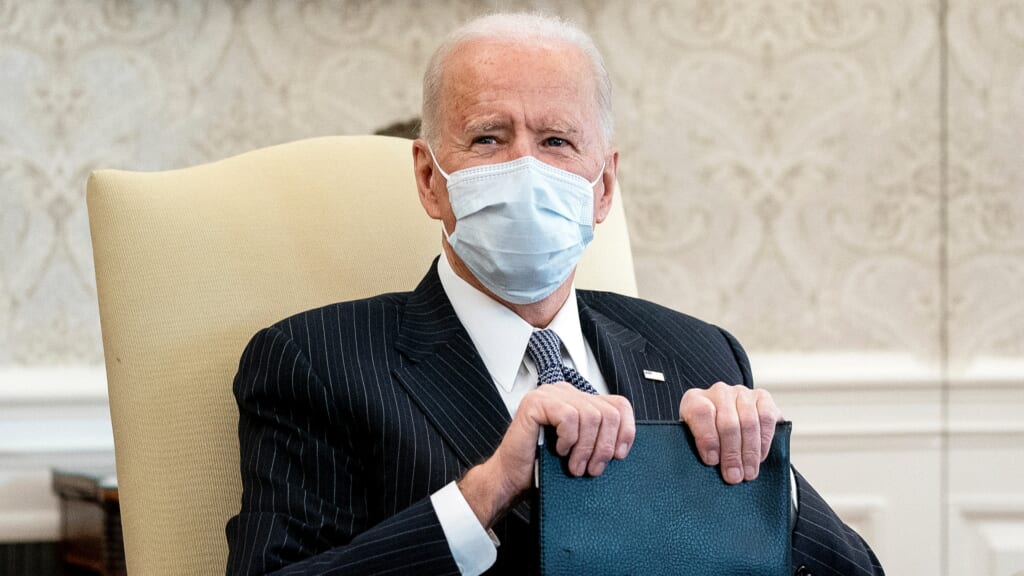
[
  {"x": 307, "y": 503},
  {"x": 822, "y": 544},
  {"x": 740, "y": 355}
]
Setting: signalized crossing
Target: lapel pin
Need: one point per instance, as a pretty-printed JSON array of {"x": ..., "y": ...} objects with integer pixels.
[{"x": 654, "y": 375}]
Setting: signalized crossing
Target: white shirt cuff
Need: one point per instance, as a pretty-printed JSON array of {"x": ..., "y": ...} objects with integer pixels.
[{"x": 471, "y": 546}]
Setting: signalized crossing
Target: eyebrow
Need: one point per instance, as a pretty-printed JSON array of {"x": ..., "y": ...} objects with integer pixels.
[
  {"x": 486, "y": 125},
  {"x": 551, "y": 126},
  {"x": 558, "y": 128}
]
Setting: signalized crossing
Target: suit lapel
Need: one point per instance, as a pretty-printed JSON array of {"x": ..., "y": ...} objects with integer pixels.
[
  {"x": 446, "y": 377},
  {"x": 443, "y": 373},
  {"x": 624, "y": 355}
]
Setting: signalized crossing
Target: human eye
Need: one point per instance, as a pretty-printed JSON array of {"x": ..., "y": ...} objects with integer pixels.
[
  {"x": 555, "y": 142},
  {"x": 486, "y": 140}
]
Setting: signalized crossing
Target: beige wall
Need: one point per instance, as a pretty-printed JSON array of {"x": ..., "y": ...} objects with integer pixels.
[
  {"x": 840, "y": 183},
  {"x": 814, "y": 176}
]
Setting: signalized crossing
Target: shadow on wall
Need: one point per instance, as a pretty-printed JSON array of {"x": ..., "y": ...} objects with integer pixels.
[{"x": 403, "y": 129}]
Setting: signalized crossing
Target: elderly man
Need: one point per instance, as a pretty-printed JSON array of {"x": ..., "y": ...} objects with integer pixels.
[{"x": 397, "y": 434}]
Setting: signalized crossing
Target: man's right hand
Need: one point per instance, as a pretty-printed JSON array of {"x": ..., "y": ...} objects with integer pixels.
[{"x": 592, "y": 429}]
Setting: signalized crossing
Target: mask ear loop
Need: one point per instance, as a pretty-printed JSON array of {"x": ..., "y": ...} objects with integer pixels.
[
  {"x": 441, "y": 170},
  {"x": 592, "y": 184},
  {"x": 444, "y": 230}
]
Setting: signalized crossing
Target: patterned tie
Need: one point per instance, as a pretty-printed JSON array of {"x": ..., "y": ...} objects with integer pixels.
[{"x": 546, "y": 351}]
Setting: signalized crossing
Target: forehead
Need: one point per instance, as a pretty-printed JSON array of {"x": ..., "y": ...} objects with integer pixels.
[{"x": 549, "y": 82}]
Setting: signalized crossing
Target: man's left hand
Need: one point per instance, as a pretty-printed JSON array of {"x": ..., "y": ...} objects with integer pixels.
[{"x": 733, "y": 426}]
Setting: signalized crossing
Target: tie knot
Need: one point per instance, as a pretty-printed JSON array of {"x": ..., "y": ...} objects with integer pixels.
[{"x": 545, "y": 348}]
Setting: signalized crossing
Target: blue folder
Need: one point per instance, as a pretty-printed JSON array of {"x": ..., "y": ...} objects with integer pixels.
[{"x": 661, "y": 511}]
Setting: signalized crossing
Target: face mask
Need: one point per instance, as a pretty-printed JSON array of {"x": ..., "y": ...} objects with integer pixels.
[{"x": 520, "y": 226}]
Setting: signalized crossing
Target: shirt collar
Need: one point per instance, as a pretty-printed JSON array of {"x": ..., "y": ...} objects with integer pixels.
[{"x": 500, "y": 335}]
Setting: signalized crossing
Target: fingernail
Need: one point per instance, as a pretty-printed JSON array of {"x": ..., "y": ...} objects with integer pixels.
[
  {"x": 599, "y": 468},
  {"x": 712, "y": 458},
  {"x": 622, "y": 450},
  {"x": 749, "y": 472},
  {"x": 581, "y": 467},
  {"x": 733, "y": 475}
]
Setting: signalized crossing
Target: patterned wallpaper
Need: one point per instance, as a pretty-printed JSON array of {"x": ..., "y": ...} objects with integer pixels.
[
  {"x": 986, "y": 179},
  {"x": 836, "y": 175}
]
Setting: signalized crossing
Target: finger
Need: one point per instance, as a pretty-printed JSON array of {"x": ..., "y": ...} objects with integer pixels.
[
  {"x": 750, "y": 432},
  {"x": 627, "y": 425},
  {"x": 558, "y": 410},
  {"x": 728, "y": 424},
  {"x": 698, "y": 411},
  {"x": 589, "y": 426},
  {"x": 566, "y": 420},
  {"x": 517, "y": 452},
  {"x": 555, "y": 411},
  {"x": 770, "y": 414},
  {"x": 607, "y": 437}
]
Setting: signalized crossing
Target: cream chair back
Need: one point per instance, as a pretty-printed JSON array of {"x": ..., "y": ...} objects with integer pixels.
[{"x": 191, "y": 263}]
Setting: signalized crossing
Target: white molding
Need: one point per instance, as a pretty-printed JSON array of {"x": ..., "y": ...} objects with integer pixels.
[
  {"x": 857, "y": 506},
  {"x": 37, "y": 525},
  {"x": 908, "y": 430},
  {"x": 45, "y": 385},
  {"x": 986, "y": 428},
  {"x": 43, "y": 427},
  {"x": 772, "y": 370},
  {"x": 862, "y": 511},
  {"x": 60, "y": 416},
  {"x": 55, "y": 435},
  {"x": 837, "y": 370},
  {"x": 989, "y": 506},
  {"x": 871, "y": 430},
  {"x": 791, "y": 371},
  {"x": 861, "y": 445},
  {"x": 990, "y": 371},
  {"x": 987, "y": 533},
  {"x": 52, "y": 411}
]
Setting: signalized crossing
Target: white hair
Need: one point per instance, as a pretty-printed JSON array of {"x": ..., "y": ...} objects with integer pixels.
[{"x": 521, "y": 27}]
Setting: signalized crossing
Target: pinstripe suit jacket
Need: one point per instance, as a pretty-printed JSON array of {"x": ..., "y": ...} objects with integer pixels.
[{"x": 351, "y": 415}]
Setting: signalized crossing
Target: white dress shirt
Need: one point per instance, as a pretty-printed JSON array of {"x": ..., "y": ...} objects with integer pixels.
[{"x": 501, "y": 336}]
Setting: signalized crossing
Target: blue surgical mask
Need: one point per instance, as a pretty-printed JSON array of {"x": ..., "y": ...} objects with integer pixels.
[{"x": 520, "y": 226}]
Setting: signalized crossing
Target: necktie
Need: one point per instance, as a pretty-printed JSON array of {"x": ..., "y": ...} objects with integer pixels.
[{"x": 545, "y": 349}]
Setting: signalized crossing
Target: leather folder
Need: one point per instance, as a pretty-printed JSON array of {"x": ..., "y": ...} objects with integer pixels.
[{"x": 662, "y": 511}]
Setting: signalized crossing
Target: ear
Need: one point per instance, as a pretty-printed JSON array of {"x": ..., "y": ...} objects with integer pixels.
[
  {"x": 603, "y": 202},
  {"x": 433, "y": 201}
]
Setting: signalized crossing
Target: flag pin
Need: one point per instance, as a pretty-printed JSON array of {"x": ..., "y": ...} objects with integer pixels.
[{"x": 654, "y": 375}]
